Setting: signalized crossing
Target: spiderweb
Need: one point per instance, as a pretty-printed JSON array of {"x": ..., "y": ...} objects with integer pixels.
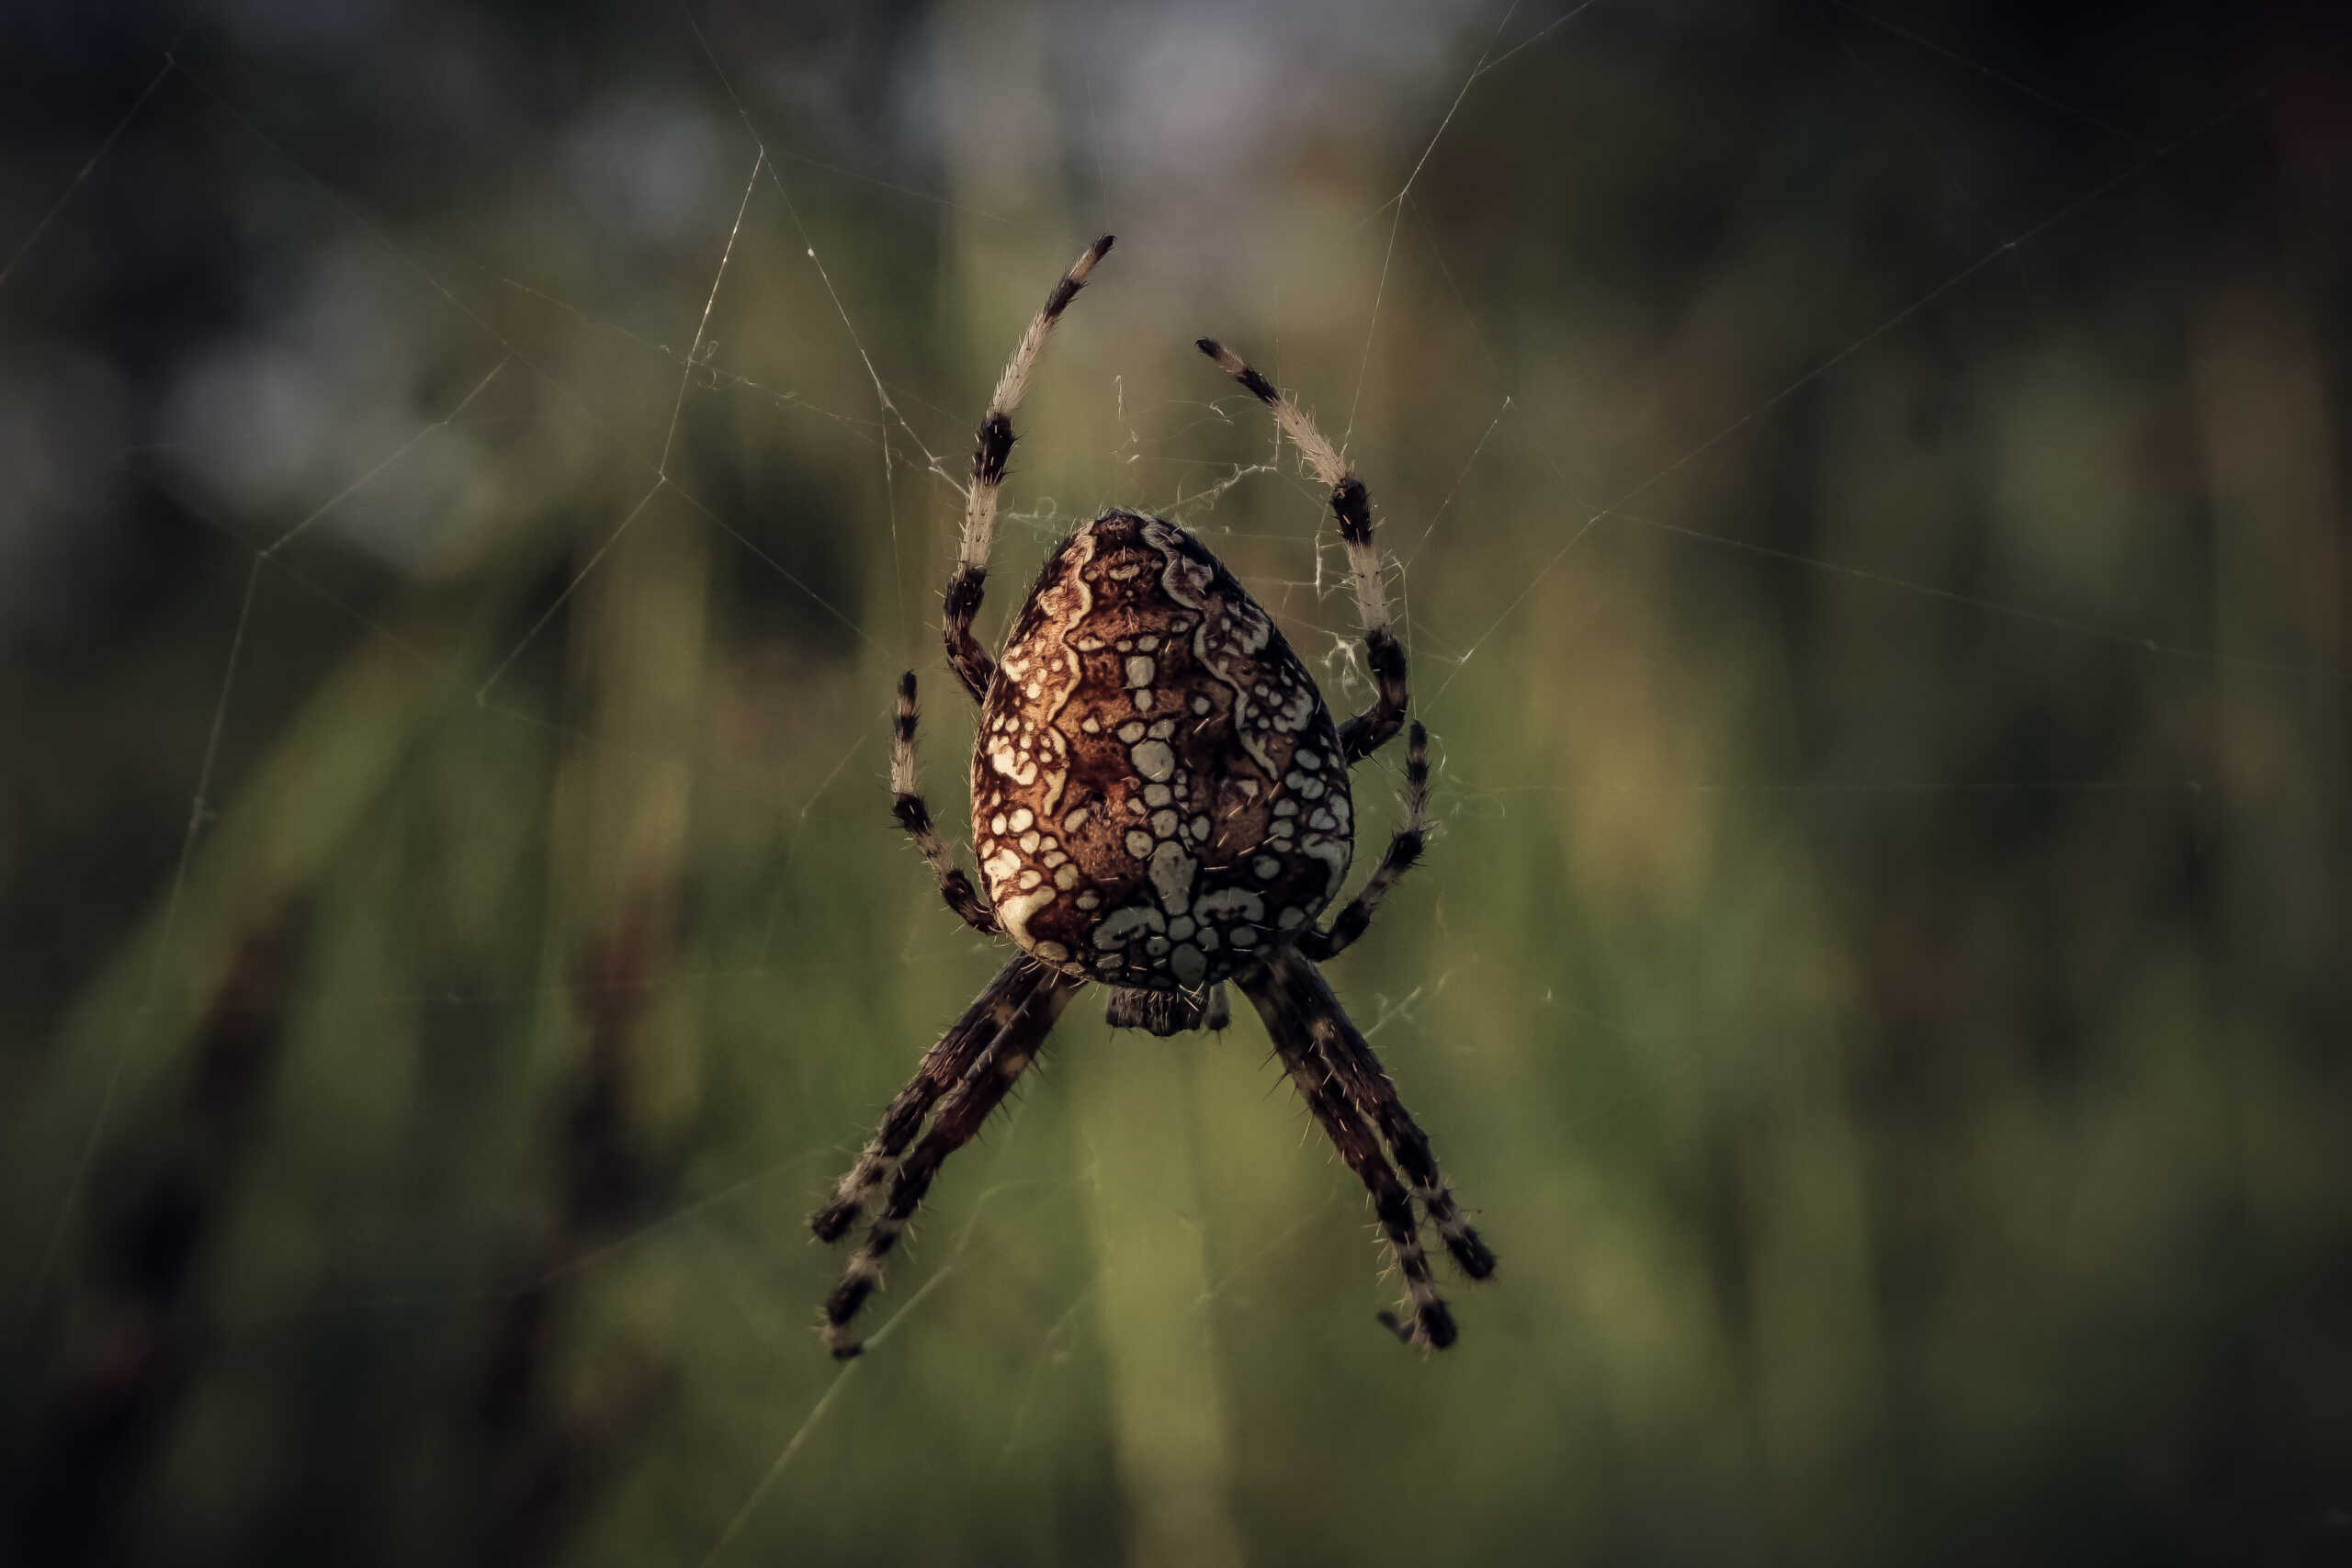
[{"x": 1859, "y": 490}]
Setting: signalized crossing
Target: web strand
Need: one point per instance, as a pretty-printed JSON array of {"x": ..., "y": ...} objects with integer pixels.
[
  {"x": 1152, "y": 456},
  {"x": 694, "y": 355},
  {"x": 81, "y": 174},
  {"x": 809, "y": 247},
  {"x": 766, "y": 1484},
  {"x": 565, "y": 393},
  {"x": 1388, "y": 255},
  {"x": 198, "y": 811},
  {"x": 2024, "y": 89},
  {"x": 1923, "y": 302}
]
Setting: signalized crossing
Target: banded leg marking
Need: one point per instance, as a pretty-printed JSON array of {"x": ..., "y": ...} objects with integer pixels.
[
  {"x": 907, "y": 804},
  {"x": 1352, "y": 509},
  {"x": 1404, "y": 850},
  {"x": 944, "y": 1066},
  {"x": 1015, "y": 1045},
  {"x": 1290, "y": 1011},
  {"x": 1373, "y": 1094},
  {"x": 991, "y": 448}
]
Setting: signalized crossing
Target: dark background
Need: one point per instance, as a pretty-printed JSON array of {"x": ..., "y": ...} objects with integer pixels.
[{"x": 1865, "y": 489}]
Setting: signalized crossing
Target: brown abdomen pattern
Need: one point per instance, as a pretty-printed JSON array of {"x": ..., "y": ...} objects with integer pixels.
[{"x": 1158, "y": 793}]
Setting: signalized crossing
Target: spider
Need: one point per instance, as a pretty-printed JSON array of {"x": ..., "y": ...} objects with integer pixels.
[{"x": 1159, "y": 803}]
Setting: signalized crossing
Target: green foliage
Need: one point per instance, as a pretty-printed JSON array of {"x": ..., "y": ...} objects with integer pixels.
[{"x": 1878, "y": 980}]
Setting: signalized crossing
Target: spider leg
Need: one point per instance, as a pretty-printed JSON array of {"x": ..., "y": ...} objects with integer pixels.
[
  {"x": 1008, "y": 1053},
  {"x": 1294, "y": 1002},
  {"x": 989, "y": 449},
  {"x": 907, "y": 806},
  {"x": 1404, "y": 850},
  {"x": 943, "y": 1067},
  {"x": 1349, "y": 1055},
  {"x": 1351, "y": 508}
]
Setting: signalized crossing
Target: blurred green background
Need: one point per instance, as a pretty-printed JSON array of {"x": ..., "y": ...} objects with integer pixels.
[{"x": 1864, "y": 486}]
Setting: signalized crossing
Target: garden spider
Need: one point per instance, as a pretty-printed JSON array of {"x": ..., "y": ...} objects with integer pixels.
[{"x": 1159, "y": 801}]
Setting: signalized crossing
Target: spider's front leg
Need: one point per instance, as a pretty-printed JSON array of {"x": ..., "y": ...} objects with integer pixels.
[
  {"x": 1352, "y": 509},
  {"x": 989, "y": 450},
  {"x": 1371, "y": 729}
]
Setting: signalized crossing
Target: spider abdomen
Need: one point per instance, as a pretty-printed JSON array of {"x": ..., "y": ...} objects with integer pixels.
[{"x": 1158, "y": 791}]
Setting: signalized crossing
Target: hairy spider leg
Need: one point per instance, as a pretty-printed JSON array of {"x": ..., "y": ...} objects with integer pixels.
[
  {"x": 1403, "y": 849},
  {"x": 944, "y": 1066},
  {"x": 1352, "y": 509},
  {"x": 1351, "y": 1059},
  {"x": 970, "y": 1072},
  {"x": 1338, "y": 1040},
  {"x": 983, "y": 1089},
  {"x": 989, "y": 449},
  {"x": 907, "y": 804},
  {"x": 1294, "y": 1001}
]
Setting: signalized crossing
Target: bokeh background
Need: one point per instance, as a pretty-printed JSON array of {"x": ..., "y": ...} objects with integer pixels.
[{"x": 1865, "y": 488}]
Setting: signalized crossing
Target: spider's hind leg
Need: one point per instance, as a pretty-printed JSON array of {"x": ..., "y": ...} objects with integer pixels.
[
  {"x": 1008, "y": 1053},
  {"x": 943, "y": 1067},
  {"x": 1342, "y": 1048},
  {"x": 1293, "y": 1001}
]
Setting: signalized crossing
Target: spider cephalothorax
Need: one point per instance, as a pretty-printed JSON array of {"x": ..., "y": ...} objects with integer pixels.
[{"x": 1159, "y": 803}]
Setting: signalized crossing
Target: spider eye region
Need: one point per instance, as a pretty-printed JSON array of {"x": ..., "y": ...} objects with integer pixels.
[{"x": 1158, "y": 797}]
